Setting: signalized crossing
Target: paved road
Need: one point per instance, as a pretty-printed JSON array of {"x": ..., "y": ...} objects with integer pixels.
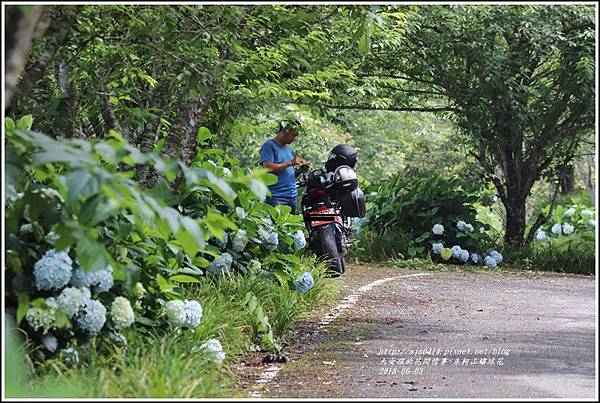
[{"x": 450, "y": 335}]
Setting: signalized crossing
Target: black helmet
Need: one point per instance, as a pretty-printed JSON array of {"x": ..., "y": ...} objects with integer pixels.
[{"x": 342, "y": 154}]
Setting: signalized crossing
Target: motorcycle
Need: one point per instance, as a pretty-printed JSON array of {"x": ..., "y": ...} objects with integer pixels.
[{"x": 331, "y": 199}]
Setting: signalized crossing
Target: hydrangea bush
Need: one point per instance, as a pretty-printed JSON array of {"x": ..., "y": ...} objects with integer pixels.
[
  {"x": 459, "y": 254},
  {"x": 104, "y": 260},
  {"x": 568, "y": 220}
]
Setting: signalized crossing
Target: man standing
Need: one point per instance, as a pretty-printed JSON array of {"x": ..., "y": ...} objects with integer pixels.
[{"x": 277, "y": 157}]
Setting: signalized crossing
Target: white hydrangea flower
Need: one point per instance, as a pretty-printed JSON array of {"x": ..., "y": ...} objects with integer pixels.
[
  {"x": 193, "y": 314},
  {"x": 52, "y": 271},
  {"x": 214, "y": 349},
  {"x": 25, "y": 228},
  {"x": 556, "y": 229},
  {"x": 436, "y": 248},
  {"x": 438, "y": 229},
  {"x": 567, "y": 228},
  {"x": 569, "y": 212},
  {"x": 176, "y": 312},
  {"x": 592, "y": 223},
  {"x": 541, "y": 235},
  {"x": 37, "y": 317},
  {"x": 122, "y": 313},
  {"x": 92, "y": 317},
  {"x": 70, "y": 300},
  {"x": 138, "y": 290}
]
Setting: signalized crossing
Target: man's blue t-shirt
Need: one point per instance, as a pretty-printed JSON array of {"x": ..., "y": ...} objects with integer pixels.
[{"x": 286, "y": 180}]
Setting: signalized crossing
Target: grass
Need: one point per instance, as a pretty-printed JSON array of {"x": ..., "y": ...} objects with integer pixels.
[{"x": 167, "y": 362}]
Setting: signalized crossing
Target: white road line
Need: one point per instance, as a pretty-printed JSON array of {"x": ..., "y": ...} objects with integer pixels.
[{"x": 346, "y": 303}]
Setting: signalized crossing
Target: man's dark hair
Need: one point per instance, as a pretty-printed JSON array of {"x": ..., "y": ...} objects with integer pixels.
[{"x": 289, "y": 124}]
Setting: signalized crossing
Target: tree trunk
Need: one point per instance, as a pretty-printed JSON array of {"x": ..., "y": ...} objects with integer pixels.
[
  {"x": 567, "y": 181},
  {"x": 515, "y": 221},
  {"x": 21, "y": 22},
  {"x": 585, "y": 169},
  {"x": 65, "y": 85},
  {"x": 63, "y": 18},
  {"x": 181, "y": 143}
]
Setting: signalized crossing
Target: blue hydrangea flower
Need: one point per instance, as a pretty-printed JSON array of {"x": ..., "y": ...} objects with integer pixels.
[
  {"x": 556, "y": 229},
  {"x": 176, "y": 312},
  {"x": 304, "y": 282},
  {"x": 358, "y": 222},
  {"x": 461, "y": 225},
  {"x": 490, "y": 262},
  {"x": 272, "y": 240},
  {"x": 464, "y": 255},
  {"x": 469, "y": 227},
  {"x": 541, "y": 235},
  {"x": 475, "y": 258},
  {"x": 52, "y": 271},
  {"x": 70, "y": 300},
  {"x": 567, "y": 228},
  {"x": 587, "y": 213},
  {"x": 438, "y": 229},
  {"x": 456, "y": 251},
  {"x": 102, "y": 280},
  {"x": 569, "y": 212},
  {"x": 299, "y": 239},
  {"x": 121, "y": 312},
  {"x": 496, "y": 256},
  {"x": 222, "y": 243},
  {"x": 221, "y": 264},
  {"x": 592, "y": 223},
  {"x": 214, "y": 350},
  {"x": 92, "y": 317},
  {"x": 193, "y": 314},
  {"x": 240, "y": 240},
  {"x": 79, "y": 278},
  {"x": 437, "y": 248}
]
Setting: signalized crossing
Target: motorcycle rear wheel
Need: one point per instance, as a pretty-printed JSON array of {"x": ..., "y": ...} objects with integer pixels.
[{"x": 324, "y": 244}]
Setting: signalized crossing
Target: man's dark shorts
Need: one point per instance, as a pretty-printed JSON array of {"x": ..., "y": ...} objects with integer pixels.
[{"x": 282, "y": 200}]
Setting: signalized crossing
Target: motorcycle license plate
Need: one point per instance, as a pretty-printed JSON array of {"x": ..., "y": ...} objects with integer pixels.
[{"x": 323, "y": 217}]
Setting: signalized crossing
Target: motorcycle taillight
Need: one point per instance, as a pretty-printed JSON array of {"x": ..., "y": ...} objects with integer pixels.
[{"x": 318, "y": 193}]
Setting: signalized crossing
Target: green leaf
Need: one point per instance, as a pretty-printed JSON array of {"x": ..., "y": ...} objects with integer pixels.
[
  {"x": 217, "y": 223},
  {"x": 23, "y": 306},
  {"x": 9, "y": 124},
  {"x": 163, "y": 284},
  {"x": 81, "y": 184},
  {"x": 25, "y": 122},
  {"x": 190, "y": 236},
  {"x": 184, "y": 278},
  {"x": 203, "y": 134}
]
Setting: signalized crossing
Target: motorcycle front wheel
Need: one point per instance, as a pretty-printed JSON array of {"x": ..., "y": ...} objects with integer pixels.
[{"x": 324, "y": 244}]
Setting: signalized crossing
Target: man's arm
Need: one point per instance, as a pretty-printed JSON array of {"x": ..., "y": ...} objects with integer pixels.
[{"x": 275, "y": 168}]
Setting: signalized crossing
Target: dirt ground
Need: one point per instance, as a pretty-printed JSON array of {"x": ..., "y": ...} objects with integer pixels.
[{"x": 460, "y": 333}]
